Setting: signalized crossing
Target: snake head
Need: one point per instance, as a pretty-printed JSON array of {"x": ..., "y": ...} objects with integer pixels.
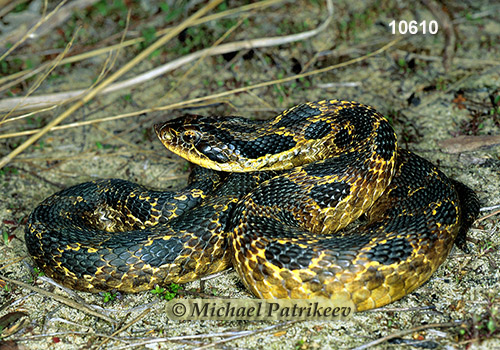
[
  {"x": 197, "y": 139},
  {"x": 237, "y": 144}
]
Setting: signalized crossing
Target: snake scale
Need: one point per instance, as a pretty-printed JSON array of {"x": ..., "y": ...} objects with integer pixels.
[{"x": 273, "y": 198}]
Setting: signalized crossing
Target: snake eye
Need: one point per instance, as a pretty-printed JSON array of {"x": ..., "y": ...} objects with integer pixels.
[{"x": 190, "y": 137}]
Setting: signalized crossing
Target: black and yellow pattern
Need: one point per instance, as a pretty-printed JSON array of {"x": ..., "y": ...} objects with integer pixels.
[{"x": 273, "y": 204}]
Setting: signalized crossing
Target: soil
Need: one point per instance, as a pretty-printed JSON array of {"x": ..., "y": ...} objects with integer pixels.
[{"x": 427, "y": 97}]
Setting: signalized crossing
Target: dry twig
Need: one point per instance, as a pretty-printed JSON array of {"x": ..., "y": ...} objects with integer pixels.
[
  {"x": 407, "y": 331},
  {"x": 61, "y": 299}
]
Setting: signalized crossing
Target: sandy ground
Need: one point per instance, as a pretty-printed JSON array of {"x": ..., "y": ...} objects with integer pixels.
[{"x": 407, "y": 83}]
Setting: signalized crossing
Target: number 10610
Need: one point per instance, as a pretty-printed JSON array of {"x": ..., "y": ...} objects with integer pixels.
[{"x": 413, "y": 27}]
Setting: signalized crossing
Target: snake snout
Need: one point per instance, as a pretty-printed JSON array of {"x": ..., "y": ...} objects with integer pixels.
[{"x": 164, "y": 132}]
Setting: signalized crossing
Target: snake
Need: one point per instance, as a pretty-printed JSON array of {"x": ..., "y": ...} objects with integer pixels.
[{"x": 318, "y": 201}]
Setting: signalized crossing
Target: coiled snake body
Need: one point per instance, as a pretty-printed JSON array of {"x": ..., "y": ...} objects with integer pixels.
[{"x": 276, "y": 207}]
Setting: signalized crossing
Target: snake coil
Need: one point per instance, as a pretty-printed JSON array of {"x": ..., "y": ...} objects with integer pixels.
[{"x": 277, "y": 204}]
